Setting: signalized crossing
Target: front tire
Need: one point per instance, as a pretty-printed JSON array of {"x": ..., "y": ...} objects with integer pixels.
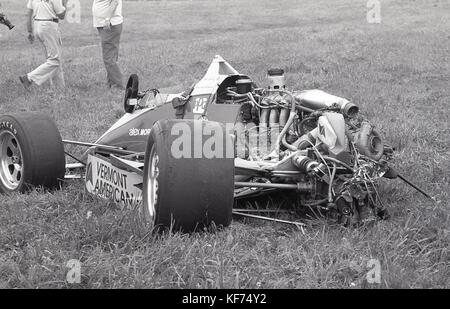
[
  {"x": 31, "y": 152},
  {"x": 186, "y": 194}
]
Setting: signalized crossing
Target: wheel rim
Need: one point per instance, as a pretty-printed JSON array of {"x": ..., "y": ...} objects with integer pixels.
[
  {"x": 152, "y": 186},
  {"x": 11, "y": 161}
]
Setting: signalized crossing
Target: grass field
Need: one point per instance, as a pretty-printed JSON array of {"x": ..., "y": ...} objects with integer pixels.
[{"x": 398, "y": 72}]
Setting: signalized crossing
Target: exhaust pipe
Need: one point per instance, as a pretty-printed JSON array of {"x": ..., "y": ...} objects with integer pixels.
[{"x": 318, "y": 99}]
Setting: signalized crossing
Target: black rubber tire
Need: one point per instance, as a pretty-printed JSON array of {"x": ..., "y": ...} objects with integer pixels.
[
  {"x": 131, "y": 92},
  {"x": 41, "y": 147},
  {"x": 192, "y": 192}
]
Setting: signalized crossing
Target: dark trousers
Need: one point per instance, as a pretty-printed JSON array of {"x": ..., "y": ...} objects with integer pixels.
[{"x": 110, "y": 48}]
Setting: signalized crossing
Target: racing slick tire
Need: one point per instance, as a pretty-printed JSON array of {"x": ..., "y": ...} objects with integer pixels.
[
  {"x": 31, "y": 152},
  {"x": 186, "y": 194}
]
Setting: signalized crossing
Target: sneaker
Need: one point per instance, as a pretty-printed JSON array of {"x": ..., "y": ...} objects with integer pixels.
[{"x": 25, "y": 82}]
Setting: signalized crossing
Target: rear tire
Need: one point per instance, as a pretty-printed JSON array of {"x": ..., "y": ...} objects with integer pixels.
[
  {"x": 186, "y": 194},
  {"x": 31, "y": 152}
]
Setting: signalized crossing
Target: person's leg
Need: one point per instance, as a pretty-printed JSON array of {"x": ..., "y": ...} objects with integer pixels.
[
  {"x": 103, "y": 39},
  {"x": 25, "y": 79},
  {"x": 110, "y": 47},
  {"x": 49, "y": 36},
  {"x": 58, "y": 77}
]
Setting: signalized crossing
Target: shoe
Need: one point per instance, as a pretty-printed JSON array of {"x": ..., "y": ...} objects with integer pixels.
[{"x": 25, "y": 82}]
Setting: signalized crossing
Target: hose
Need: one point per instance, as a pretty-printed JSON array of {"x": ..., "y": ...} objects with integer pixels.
[
  {"x": 330, "y": 186},
  {"x": 300, "y": 125},
  {"x": 338, "y": 162},
  {"x": 252, "y": 99}
]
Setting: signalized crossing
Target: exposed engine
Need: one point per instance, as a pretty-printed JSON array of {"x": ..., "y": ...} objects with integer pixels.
[{"x": 338, "y": 153}]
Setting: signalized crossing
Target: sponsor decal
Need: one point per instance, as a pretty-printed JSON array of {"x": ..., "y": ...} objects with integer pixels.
[
  {"x": 107, "y": 181},
  {"x": 8, "y": 125},
  {"x": 139, "y": 132}
]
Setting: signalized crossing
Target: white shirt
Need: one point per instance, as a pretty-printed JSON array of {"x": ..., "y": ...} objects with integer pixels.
[
  {"x": 100, "y": 9},
  {"x": 46, "y": 9}
]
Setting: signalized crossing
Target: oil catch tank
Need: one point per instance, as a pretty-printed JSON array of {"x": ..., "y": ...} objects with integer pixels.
[{"x": 276, "y": 79}]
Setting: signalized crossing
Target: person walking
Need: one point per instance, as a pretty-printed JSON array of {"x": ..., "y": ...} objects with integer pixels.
[
  {"x": 43, "y": 24},
  {"x": 108, "y": 19}
]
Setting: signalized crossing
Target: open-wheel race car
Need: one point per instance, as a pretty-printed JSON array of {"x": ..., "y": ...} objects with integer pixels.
[{"x": 185, "y": 159}]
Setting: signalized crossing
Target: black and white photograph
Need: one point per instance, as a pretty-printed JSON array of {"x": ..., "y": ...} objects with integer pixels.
[{"x": 224, "y": 151}]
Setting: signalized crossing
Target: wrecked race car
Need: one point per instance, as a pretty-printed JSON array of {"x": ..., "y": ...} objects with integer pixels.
[{"x": 185, "y": 159}]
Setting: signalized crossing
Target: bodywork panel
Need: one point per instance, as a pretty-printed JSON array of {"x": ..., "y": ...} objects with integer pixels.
[
  {"x": 108, "y": 181},
  {"x": 131, "y": 131}
]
